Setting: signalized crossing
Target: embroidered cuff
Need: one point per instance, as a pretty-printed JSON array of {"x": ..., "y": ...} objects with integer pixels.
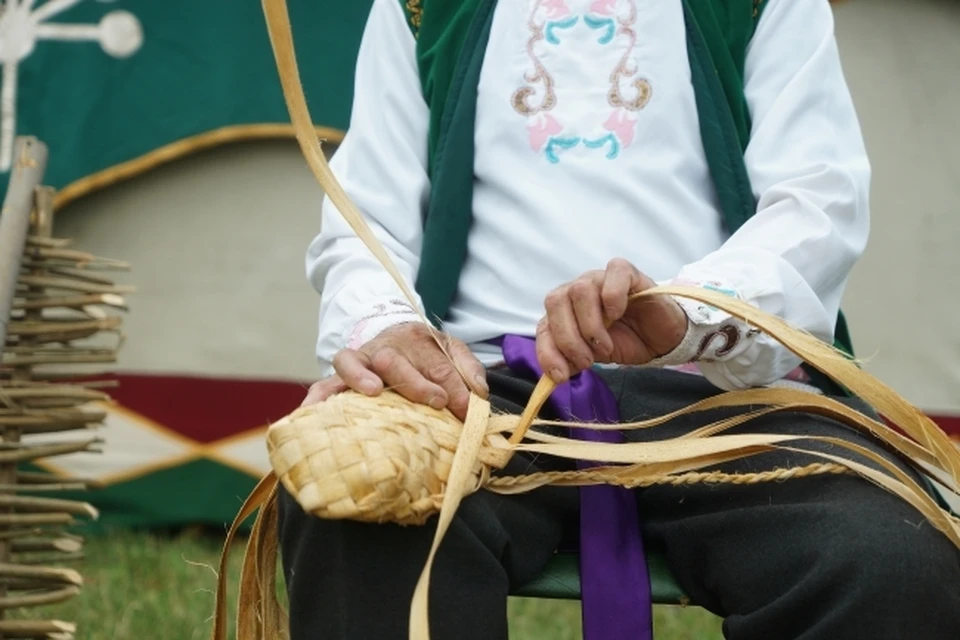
[
  {"x": 382, "y": 316},
  {"x": 712, "y": 334}
]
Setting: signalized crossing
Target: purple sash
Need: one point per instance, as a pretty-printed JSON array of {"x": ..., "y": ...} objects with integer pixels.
[{"x": 614, "y": 578}]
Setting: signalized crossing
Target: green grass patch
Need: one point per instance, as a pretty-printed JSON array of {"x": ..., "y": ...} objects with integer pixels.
[{"x": 143, "y": 586}]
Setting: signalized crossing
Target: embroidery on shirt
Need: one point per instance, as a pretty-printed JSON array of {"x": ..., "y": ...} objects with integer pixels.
[
  {"x": 416, "y": 15},
  {"x": 397, "y": 308},
  {"x": 628, "y": 93},
  {"x": 731, "y": 338},
  {"x": 543, "y": 129},
  {"x": 621, "y": 125},
  {"x": 539, "y": 76}
]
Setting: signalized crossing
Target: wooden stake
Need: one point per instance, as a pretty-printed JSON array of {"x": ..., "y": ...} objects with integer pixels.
[
  {"x": 27, "y": 173},
  {"x": 14, "y": 224}
]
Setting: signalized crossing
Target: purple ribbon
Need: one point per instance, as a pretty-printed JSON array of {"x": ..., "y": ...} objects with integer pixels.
[{"x": 614, "y": 578}]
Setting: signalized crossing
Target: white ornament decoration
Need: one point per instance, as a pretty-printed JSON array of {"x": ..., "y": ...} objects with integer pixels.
[{"x": 119, "y": 34}]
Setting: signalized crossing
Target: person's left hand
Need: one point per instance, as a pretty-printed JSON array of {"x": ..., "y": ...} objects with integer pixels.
[{"x": 592, "y": 320}]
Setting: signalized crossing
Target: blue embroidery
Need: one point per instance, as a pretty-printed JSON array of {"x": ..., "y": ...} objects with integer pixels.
[
  {"x": 600, "y": 142},
  {"x": 600, "y": 23},
  {"x": 559, "y": 143},
  {"x": 608, "y": 27},
  {"x": 559, "y": 24},
  {"x": 731, "y": 293}
]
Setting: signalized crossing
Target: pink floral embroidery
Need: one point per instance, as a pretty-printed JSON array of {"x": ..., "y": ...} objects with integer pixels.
[
  {"x": 621, "y": 124},
  {"x": 537, "y": 97},
  {"x": 556, "y": 9},
  {"x": 541, "y": 130},
  {"x": 603, "y": 7}
]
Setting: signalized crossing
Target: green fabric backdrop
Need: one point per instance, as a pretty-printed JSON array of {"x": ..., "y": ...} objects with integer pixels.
[{"x": 202, "y": 65}]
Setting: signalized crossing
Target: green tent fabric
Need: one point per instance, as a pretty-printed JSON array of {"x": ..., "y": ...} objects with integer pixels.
[{"x": 127, "y": 84}]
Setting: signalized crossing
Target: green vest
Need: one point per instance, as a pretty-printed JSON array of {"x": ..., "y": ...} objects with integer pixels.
[{"x": 451, "y": 42}]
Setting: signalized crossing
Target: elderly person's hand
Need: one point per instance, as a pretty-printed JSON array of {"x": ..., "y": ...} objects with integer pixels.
[
  {"x": 592, "y": 320},
  {"x": 407, "y": 359}
]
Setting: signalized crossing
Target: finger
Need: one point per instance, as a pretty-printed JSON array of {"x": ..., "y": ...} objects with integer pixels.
[
  {"x": 565, "y": 331},
  {"x": 440, "y": 369},
  {"x": 618, "y": 282},
  {"x": 320, "y": 391},
  {"x": 549, "y": 356},
  {"x": 588, "y": 309},
  {"x": 356, "y": 371},
  {"x": 471, "y": 367},
  {"x": 400, "y": 375}
]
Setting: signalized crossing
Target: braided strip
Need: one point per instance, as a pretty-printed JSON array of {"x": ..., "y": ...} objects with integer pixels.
[{"x": 555, "y": 478}]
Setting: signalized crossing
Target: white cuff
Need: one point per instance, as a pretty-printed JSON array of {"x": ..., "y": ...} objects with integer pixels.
[
  {"x": 382, "y": 316},
  {"x": 712, "y": 334}
]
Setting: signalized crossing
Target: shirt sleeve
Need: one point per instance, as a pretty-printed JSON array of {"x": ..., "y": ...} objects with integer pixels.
[
  {"x": 381, "y": 164},
  {"x": 810, "y": 175}
]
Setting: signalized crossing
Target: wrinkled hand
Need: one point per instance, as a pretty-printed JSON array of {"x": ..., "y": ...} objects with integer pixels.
[
  {"x": 408, "y": 360},
  {"x": 592, "y": 320}
]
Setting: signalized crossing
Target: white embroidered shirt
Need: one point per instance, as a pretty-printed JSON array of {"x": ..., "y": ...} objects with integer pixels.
[{"x": 588, "y": 148}]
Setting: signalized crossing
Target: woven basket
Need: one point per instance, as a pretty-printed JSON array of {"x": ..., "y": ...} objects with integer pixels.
[{"x": 368, "y": 459}]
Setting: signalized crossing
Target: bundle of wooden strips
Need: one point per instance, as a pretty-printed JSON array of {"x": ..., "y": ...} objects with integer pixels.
[
  {"x": 386, "y": 459},
  {"x": 54, "y": 301}
]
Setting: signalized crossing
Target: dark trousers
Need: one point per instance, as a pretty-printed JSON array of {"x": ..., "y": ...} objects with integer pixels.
[{"x": 830, "y": 557}]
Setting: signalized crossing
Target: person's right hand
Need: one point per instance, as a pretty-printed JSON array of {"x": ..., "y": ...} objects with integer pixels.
[{"x": 406, "y": 359}]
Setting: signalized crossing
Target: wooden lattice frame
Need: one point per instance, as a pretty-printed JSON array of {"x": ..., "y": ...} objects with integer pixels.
[{"x": 51, "y": 302}]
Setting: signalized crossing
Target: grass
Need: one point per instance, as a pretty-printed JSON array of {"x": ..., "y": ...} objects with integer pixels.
[{"x": 147, "y": 586}]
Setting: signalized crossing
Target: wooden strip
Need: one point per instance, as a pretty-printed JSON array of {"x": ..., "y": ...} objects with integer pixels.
[
  {"x": 40, "y": 403},
  {"x": 65, "y": 545},
  {"x": 42, "y": 477},
  {"x": 12, "y": 534},
  {"x": 107, "y": 299},
  {"x": 88, "y": 260},
  {"x": 34, "y": 519},
  {"x": 46, "y": 558},
  {"x": 52, "y": 243},
  {"x": 48, "y": 451},
  {"x": 30, "y": 629},
  {"x": 50, "y": 327},
  {"x": 54, "y": 420},
  {"x": 65, "y": 358},
  {"x": 63, "y": 377},
  {"x": 41, "y": 488},
  {"x": 61, "y": 337},
  {"x": 37, "y": 599},
  {"x": 50, "y": 390},
  {"x": 78, "y": 274},
  {"x": 69, "y": 284},
  {"x": 34, "y": 504},
  {"x": 58, "y": 427}
]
